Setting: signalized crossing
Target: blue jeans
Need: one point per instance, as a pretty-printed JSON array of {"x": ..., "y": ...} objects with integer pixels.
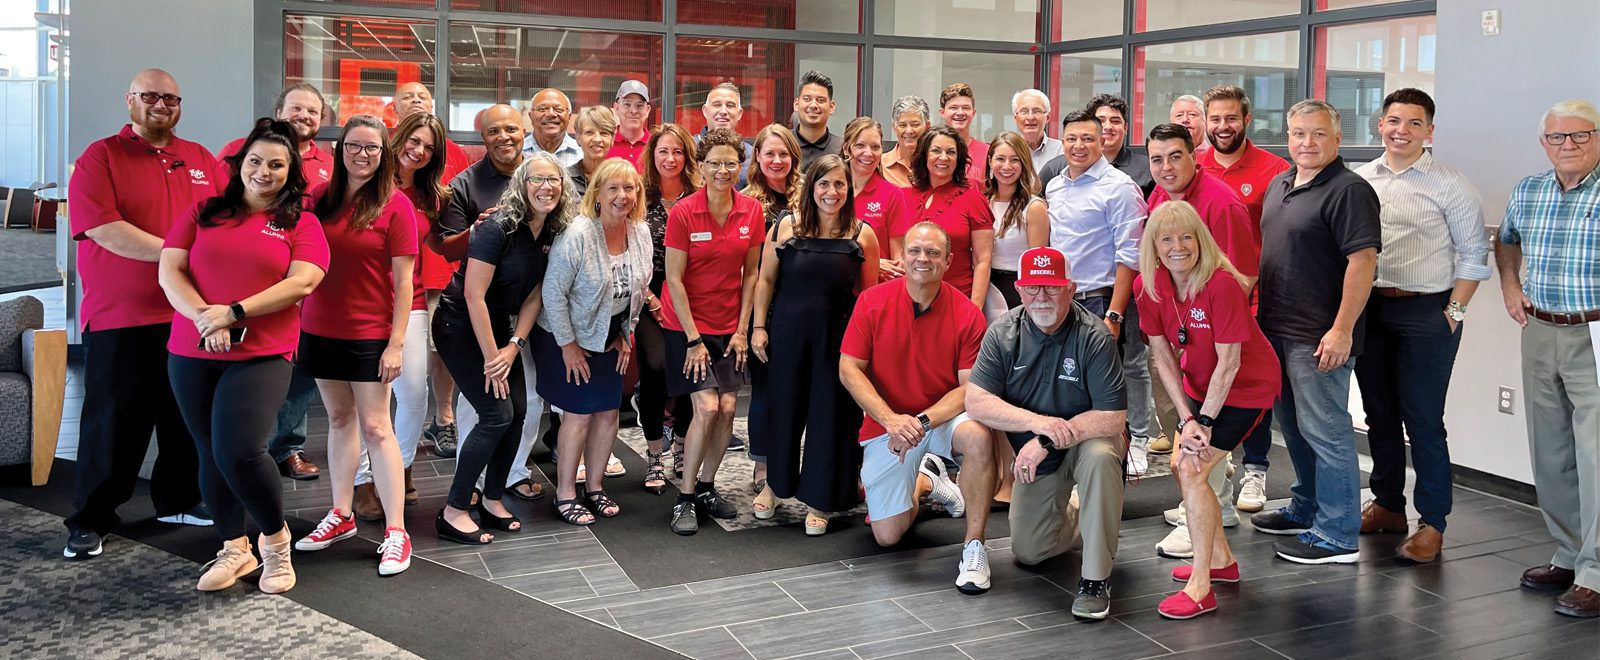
[
  {"x": 1409, "y": 354},
  {"x": 290, "y": 435},
  {"x": 1314, "y": 415}
]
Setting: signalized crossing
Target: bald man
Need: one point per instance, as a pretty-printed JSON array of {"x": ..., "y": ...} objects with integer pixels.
[
  {"x": 125, "y": 192},
  {"x": 548, "y": 114}
]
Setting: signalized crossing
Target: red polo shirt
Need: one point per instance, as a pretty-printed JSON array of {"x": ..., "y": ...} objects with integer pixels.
[
  {"x": 436, "y": 270},
  {"x": 978, "y": 162},
  {"x": 883, "y": 206},
  {"x": 633, "y": 152},
  {"x": 714, "y": 278},
  {"x": 123, "y": 178},
  {"x": 1248, "y": 177},
  {"x": 912, "y": 359},
  {"x": 1218, "y": 314},
  {"x": 455, "y": 160},
  {"x": 315, "y": 164},
  {"x": 1226, "y": 217},
  {"x": 960, "y": 211},
  {"x": 238, "y": 259},
  {"x": 356, "y": 298}
]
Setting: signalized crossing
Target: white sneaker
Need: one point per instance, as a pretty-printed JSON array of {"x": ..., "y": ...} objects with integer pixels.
[
  {"x": 1138, "y": 456},
  {"x": 974, "y": 576},
  {"x": 1174, "y": 516},
  {"x": 1177, "y": 544},
  {"x": 945, "y": 491},
  {"x": 1253, "y": 490}
]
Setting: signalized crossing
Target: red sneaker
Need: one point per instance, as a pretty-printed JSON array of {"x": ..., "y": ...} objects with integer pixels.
[
  {"x": 335, "y": 527},
  {"x": 1181, "y": 606},
  {"x": 395, "y": 552},
  {"x": 1229, "y": 573}
]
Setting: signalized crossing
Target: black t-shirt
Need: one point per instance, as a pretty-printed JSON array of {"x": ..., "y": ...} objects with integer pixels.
[
  {"x": 1061, "y": 375},
  {"x": 476, "y": 188},
  {"x": 1136, "y": 164},
  {"x": 1307, "y": 232},
  {"x": 519, "y": 258}
]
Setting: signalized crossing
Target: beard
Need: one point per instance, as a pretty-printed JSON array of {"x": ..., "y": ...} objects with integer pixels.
[
  {"x": 1044, "y": 317},
  {"x": 1238, "y": 142}
]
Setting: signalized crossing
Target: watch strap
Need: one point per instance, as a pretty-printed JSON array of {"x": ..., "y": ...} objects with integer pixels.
[{"x": 237, "y": 309}]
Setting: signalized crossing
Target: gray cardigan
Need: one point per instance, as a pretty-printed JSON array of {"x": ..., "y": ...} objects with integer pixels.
[{"x": 577, "y": 286}]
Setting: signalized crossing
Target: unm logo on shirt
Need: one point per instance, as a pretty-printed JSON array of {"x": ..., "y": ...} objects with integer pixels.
[
  {"x": 274, "y": 232},
  {"x": 744, "y": 231},
  {"x": 1069, "y": 370},
  {"x": 1197, "y": 314},
  {"x": 874, "y": 207},
  {"x": 1245, "y": 189},
  {"x": 198, "y": 176}
]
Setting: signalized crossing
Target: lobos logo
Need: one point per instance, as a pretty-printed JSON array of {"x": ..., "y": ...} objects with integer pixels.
[
  {"x": 1246, "y": 189},
  {"x": 744, "y": 231},
  {"x": 1069, "y": 370}
]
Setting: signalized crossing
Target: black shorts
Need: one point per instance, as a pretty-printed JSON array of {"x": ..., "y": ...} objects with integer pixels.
[
  {"x": 353, "y": 360},
  {"x": 1233, "y": 425},
  {"x": 723, "y": 377}
]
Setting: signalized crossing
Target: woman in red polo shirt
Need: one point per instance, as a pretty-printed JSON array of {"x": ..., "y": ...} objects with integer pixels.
[
  {"x": 353, "y": 331},
  {"x": 713, "y": 243},
  {"x": 234, "y": 266},
  {"x": 941, "y": 195},
  {"x": 879, "y": 203},
  {"x": 670, "y": 174},
  {"x": 1021, "y": 219},
  {"x": 1192, "y": 299}
]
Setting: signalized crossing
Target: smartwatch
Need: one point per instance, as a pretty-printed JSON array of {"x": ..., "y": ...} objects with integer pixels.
[
  {"x": 927, "y": 424},
  {"x": 1205, "y": 420},
  {"x": 1114, "y": 316},
  {"x": 520, "y": 342},
  {"x": 237, "y": 309}
]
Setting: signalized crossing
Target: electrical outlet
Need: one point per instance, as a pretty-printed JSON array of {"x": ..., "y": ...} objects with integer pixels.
[{"x": 1507, "y": 395}]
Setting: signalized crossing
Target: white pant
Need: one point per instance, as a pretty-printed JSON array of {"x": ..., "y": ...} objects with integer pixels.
[
  {"x": 410, "y": 393},
  {"x": 466, "y": 418}
]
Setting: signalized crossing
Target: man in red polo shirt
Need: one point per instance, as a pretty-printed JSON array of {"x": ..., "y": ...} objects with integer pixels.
[
  {"x": 907, "y": 351},
  {"x": 957, "y": 108},
  {"x": 1242, "y": 165},
  {"x": 125, "y": 192},
  {"x": 633, "y": 120}
]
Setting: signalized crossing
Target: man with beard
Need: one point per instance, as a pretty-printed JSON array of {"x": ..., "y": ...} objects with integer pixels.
[
  {"x": 1048, "y": 376},
  {"x": 1031, "y": 110},
  {"x": 412, "y": 98},
  {"x": 1112, "y": 112},
  {"x": 125, "y": 192},
  {"x": 548, "y": 113}
]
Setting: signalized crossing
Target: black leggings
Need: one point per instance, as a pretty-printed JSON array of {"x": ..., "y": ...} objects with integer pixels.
[
  {"x": 652, "y": 386},
  {"x": 492, "y": 445},
  {"x": 231, "y": 409}
]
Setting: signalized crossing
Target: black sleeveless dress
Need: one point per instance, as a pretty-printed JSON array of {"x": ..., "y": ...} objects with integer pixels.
[{"x": 811, "y": 304}]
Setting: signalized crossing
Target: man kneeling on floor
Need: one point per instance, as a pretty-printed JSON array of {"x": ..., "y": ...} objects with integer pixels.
[
  {"x": 1048, "y": 375},
  {"x": 906, "y": 354}
]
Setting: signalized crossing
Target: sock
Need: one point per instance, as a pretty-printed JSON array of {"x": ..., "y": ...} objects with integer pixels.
[
  {"x": 703, "y": 486},
  {"x": 685, "y": 497}
]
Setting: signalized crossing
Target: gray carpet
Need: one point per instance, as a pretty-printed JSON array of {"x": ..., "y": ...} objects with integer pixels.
[{"x": 27, "y": 259}]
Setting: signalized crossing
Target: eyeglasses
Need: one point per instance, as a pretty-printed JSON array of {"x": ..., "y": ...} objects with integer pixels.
[
  {"x": 1578, "y": 137},
  {"x": 1038, "y": 289},
  {"x": 1040, "y": 112},
  {"x": 548, "y": 108},
  {"x": 150, "y": 98},
  {"x": 354, "y": 148},
  {"x": 542, "y": 181},
  {"x": 722, "y": 165}
]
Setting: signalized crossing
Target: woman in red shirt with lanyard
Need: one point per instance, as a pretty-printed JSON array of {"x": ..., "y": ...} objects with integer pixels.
[
  {"x": 1192, "y": 299},
  {"x": 879, "y": 203},
  {"x": 943, "y": 196},
  {"x": 354, "y": 330},
  {"x": 234, "y": 267},
  {"x": 713, "y": 243}
]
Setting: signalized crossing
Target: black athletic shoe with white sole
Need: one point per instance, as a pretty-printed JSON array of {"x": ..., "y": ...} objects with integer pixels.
[
  {"x": 1306, "y": 549},
  {"x": 1278, "y": 523},
  {"x": 83, "y": 544}
]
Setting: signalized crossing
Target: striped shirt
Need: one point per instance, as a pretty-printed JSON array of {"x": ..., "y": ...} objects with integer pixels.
[
  {"x": 1559, "y": 232},
  {"x": 1432, "y": 226}
]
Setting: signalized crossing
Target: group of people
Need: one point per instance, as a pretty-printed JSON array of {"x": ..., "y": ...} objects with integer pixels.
[{"x": 992, "y": 309}]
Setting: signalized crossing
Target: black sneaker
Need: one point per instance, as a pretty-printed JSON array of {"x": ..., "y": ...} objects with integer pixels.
[
  {"x": 736, "y": 443},
  {"x": 443, "y": 439},
  {"x": 684, "y": 521},
  {"x": 199, "y": 516},
  {"x": 83, "y": 544},
  {"x": 1279, "y": 523},
  {"x": 1094, "y": 599},
  {"x": 1306, "y": 549},
  {"x": 712, "y": 504}
]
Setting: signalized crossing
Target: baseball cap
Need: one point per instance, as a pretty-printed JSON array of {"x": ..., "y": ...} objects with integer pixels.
[
  {"x": 1043, "y": 266},
  {"x": 633, "y": 87}
]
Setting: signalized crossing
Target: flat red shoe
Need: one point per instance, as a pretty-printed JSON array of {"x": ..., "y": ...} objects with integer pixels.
[
  {"x": 1181, "y": 606},
  {"x": 1229, "y": 573}
]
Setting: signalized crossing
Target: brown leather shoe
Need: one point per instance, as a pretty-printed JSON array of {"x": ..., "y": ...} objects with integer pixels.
[
  {"x": 1378, "y": 520},
  {"x": 411, "y": 490},
  {"x": 1423, "y": 546},
  {"x": 1548, "y": 577},
  {"x": 367, "y": 506},
  {"x": 1580, "y": 602},
  {"x": 298, "y": 468}
]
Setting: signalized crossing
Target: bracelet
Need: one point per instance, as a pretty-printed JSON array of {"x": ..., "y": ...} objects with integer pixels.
[
  {"x": 758, "y": 327},
  {"x": 694, "y": 342}
]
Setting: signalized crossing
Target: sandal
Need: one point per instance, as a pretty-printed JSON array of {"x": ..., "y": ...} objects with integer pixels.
[
  {"x": 601, "y": 503},
  {"x": 816, "y": 525},
  {"x": 757, "y": 485},
  {"x": 573, "y": 512},
  {"x": 517, "y": 492},
  {"x": 508, "y": 523},
  {"x": 765, "y": 506},
  {"x": 676, "y": 451},
  {"x": 448, "y": 532},
  {"x": 583, "y": 472},
  {"x": 615, "y": 468},
  {"x": 655, "y": 476}
]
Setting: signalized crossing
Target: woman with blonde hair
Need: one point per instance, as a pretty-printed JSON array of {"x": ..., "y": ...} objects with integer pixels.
[
  {"x": 596, "y": 129},
  {"x": 1021, "y": 218}
]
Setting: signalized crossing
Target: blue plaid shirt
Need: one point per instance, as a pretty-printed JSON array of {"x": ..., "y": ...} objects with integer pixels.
[{"x": 1559, "y": 232}]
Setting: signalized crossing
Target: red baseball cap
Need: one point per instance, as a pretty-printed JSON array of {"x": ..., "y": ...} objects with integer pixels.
[{"x": 1043, "y": 266}]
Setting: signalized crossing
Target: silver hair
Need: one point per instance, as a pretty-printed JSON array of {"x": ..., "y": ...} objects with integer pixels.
[
  {"x": 909, "y": 103},
  {"x": 514, "y": 206},
  {"x": 1192, "y": 99},
  {"x": 1571, "y": 109},
  {"x": 1030, "y": 92},
  {"x": 1310, "y": 106}
]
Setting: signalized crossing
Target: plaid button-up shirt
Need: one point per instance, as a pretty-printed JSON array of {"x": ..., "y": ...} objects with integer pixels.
[{"x": 1559, "y": 232}]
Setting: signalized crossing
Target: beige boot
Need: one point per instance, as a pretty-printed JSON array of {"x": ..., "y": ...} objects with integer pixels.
[
  {"x": 233, "y": 561},
  {"x": 277, "y": 574}
]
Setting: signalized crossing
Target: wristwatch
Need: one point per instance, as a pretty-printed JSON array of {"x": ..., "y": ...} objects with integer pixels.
[
  {"x": 927, "y": 424},
  {"x": 520, "y": 342},
  {"x": 1456, "y": 311},
  {"x": 238, "y": 310},
  {"x": 1114, "y": 316},
  {"x": 1205, "y": 420}
]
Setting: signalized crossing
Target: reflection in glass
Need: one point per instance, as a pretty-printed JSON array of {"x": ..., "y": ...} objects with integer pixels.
[
  {"x": 1265, "y": 65},
  {"x": 357, "y": 62},
  {"x": 817, "y": 15},
  {"x": 1168, "y": 14},
  {"x": 767, "y": 74},
  {"x": 1365, "y": 62},
  {"x": 1082, "y": 76},
  {"x": 993, "y": 77},
  {"x": 997, "y": 20}
]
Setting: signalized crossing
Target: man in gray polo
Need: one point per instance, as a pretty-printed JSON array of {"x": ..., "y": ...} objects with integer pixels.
[{"x": 1048, "y": 375}]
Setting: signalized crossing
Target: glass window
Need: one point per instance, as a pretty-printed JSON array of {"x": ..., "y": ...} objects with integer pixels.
[
  {"x": 1325, "y": 5},
  {"x": 634, "y": 10},
  {"x": 1154, "y": 15},
  {"x": 1265, "y": 65},
  {"x": 819, "y": 15},
  {"x": 1083, "y": 19},
  {"x": 998, "y": 20},
  {"x": 1082, "y": 76},
  {"x": 492, "y": 64},
  {"x": 406, "y": 4},
  {"x": 768, "y": 75},
  {"x": 357, "y": 62},
  {"x": 1366, "y": 61},
  {"x": 993, "y": 77}
]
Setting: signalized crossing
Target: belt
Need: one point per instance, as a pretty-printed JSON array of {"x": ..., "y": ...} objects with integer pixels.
[
  {"x": 1102, "y": 292},
  {"x": 1567, "y": 318},
  {"x": 1392, "y": 292}
]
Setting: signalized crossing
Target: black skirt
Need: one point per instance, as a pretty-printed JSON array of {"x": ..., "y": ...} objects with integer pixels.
[{"x": 353, "y": 360}]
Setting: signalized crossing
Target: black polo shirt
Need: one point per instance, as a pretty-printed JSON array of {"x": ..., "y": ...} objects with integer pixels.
[
  {"x": 810, "y": 151},
  {"x": 1061, "y": 375},
  {"x": 476, "y": 188},
  {"x": 1307, "y": 233},
  {"x": 1136, "y": 164}
]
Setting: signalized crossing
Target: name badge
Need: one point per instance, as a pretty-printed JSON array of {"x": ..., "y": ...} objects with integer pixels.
[{"x": 700, "y": 237}]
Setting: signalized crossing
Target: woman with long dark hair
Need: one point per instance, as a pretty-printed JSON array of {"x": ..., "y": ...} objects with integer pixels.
[
  {"x": 234, "y": 268},
  {"x": 943, "y": 197},
  {"x": 817, "y": 262},
  {"x": 671, "y": 173},
  {"x": 1022, "y": 220},
  {"x": 354, "y": 331}
]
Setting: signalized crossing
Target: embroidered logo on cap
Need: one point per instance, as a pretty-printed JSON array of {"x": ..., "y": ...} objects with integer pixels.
[{"x": 1041, "y": 261}]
